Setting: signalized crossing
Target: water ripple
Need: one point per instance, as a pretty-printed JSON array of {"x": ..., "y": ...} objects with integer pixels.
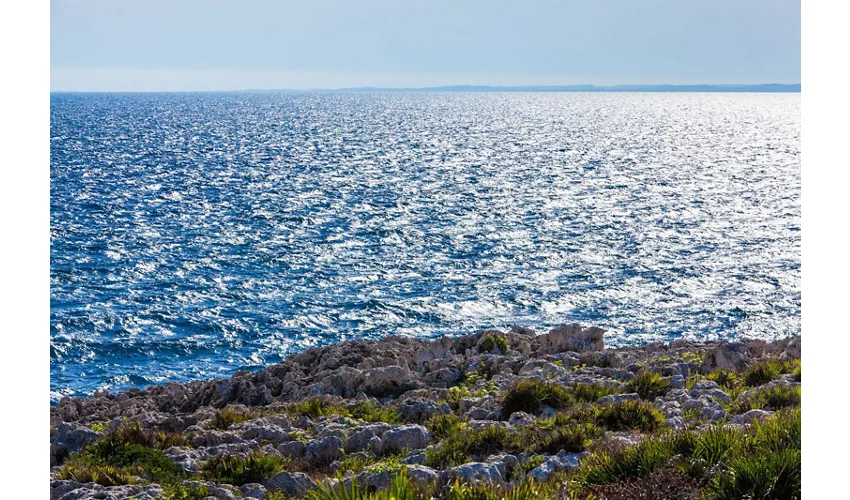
[{"x": 193, "y": 235}]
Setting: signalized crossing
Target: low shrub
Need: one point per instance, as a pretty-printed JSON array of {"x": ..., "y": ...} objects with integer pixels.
[
  {"x": 572, "y": 439},
  {"x": 104, "y": 475},
  {"x": 445, "y": 425},
  {"x": 318, "y": 407},
  {"x": 236, "y": 470},
  {"x": 182, "y": 492},
  {"x": 769, "y": 398},
  {"x": 401, "y": 488},
  {"x": 776, "y": 475},
  {"x": 530, "y": 395},
  {"x": 491, "y": 341},
  {"x": 227, "y": 417},
  {"x": 590, "y": 393},
  {"x": 371, "y": 412},
  {"x": 623, "y": 416},
  {"x": 727, "y": 379},
  {"x": 648, "y": 384},
  {"x": 762, "y": 372}
]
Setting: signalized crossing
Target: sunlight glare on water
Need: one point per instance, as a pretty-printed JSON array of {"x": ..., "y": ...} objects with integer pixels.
[{"x": 193, "y": 235}]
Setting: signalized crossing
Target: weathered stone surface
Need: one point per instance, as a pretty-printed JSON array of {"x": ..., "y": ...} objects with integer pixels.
[
  {"x": 70, "y": 438},
  {"x": 408, "y": 437},
  {"x": 477, "y": 472},
  {"x": 571, "y": 338},
  {"x": 325, "y": 450},
  {"x": 751, "y": 416},
  {"x": 730, "y": 356},
  {"x": 70, "y": 490},
  {"x": 291, "y": 483}
]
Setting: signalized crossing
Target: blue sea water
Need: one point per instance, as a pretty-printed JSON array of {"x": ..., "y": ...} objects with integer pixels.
[{"x": 194, "y": 235}]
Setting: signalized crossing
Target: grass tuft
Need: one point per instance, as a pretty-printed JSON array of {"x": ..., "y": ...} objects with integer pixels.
[
  {"x": 236, "y": 470},
  {"x": 648, "y": 384},
  {"x": 530, "y": 395},
  {"x": 227, "y": 417}
]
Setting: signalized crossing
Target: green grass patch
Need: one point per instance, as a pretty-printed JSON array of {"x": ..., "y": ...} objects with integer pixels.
[
  {"x": 590, "y": 393},
  {"x": 629, "y": 415},
  {"x": 370, "y": 412},
  {"x": 181, "y": 492},
  {"x": 104, "y": 475},
  {"x": 236, "y": 470},
  {"x": 648, "y": 384},
  {"x": 530, "y": 395},
  {"x": 228, "y": 416},
  {"x": 770, "y": 398},
  {"x": 119, "y": 455}
]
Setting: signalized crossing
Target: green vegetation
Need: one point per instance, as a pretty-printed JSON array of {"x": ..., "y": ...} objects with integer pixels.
[
  {"x": 180, "y": 492},
  {"x": 726, "y": 379},
  {"x": 316, "y": 407},
  {"x": 493, "y": 340},
  {"x": 227, "y": 417},
  {"x": 530, "y": 395},
  {"x": 371, "y": 412},
  {"x": 445, "y": 425},
  {"x": 768, "y": 370},
  {"x": 625, "y": 415},
  {"x": 99, "y": 426},
  {"x": 460, "y": 443},
  {"x": 104, "y": 475},
  {"x": 590, "y": 393},
  {"x": 769, "y": 398},
  {"x": 400, "y": 489},
  {"x": 693, "y": 357},
  {"x": 119, "y": 456},
  {"x": 648, "y": 384},
  {"x": 236, "y": 470},
  {"x": 760, "y": 462}
]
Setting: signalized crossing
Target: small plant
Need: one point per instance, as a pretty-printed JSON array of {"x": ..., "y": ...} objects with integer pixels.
[
  {"x": 590, "y": 393},
  {"x": 167, "y": 440},
  {"x": 235, "y": 470},
  {"x": 763, "y": 372},
  {"x": 692, "y": 414},
  {"x": 401, "y": 488},
  {"x": 99, "y": 426},
  {"x": 181, "y": 492},
  {"x": 493, "y": 340},
  {"x": 457, "y": 447},
  {"x": 526, "y": 490},
  {"x": 355, "y": 464},
  {"x": 648, "y": 384},
  {"x": 769, "y": 398},
  {"x": 227, "y": 417},
  {"x": 532, "y": 463},
  {"x": 572, "y": 439},
  {"x": 727, "y": 379},
  {"x": 798, "y": 373},
  {"x": 371, "y": 412},
  {"x": 692, "y": 357},
  {"x": 625, "y": 462},
  {"x": 318, "y": 407},
  {"x": 774, "y": 475},
  {"x": 445, "y": 425},
  {"x": 104, "y": 475},
  {"x": 530, "y": 395},
  {"x": 625, "y": 415}
]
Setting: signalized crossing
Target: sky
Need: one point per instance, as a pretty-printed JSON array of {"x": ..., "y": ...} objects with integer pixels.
[{"x": 150, "y": 45}]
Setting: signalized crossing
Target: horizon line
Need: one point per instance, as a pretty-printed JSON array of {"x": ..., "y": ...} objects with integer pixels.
[{"x": 662, "y": 87}]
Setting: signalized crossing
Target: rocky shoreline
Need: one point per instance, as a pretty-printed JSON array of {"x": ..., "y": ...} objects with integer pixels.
[{"x": 511, "y": 414}]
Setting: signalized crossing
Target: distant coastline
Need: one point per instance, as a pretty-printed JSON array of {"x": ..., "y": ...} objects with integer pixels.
[{"x": 756, "y": 88}]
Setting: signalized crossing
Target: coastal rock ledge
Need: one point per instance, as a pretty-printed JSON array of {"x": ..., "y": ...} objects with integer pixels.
[{"x": 453, "y": 417}]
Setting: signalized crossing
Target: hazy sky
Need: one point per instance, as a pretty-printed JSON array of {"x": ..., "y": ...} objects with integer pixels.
[{"x": 241, "y": 44}]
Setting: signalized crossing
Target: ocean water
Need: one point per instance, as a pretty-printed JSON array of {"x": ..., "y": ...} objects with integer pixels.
[{"x": 194, "y": 235}]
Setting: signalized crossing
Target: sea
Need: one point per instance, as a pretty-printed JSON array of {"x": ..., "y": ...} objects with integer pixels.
[{"x": 193, "y": 235}]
